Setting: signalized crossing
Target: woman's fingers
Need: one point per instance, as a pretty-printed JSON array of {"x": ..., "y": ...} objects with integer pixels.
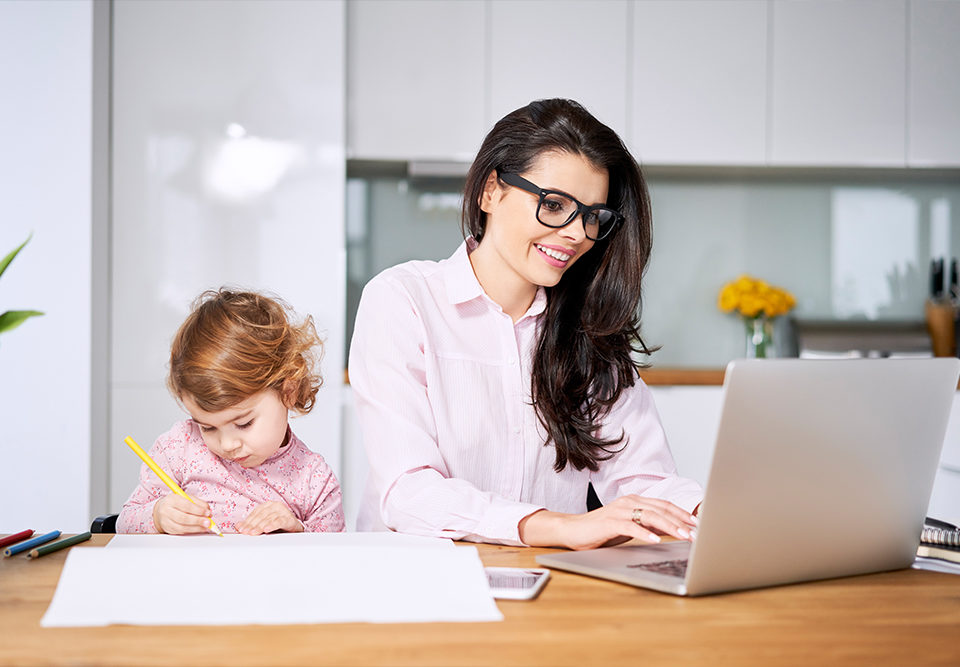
[
  {"x": 659, "y": 516},
  {"x": 641, "y": 532},
  {"x": 665, "y": 507},
  {"x": 664, "y": 525}
]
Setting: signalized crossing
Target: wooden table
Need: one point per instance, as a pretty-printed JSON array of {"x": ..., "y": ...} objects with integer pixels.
[{"x": 898, "y": 618}]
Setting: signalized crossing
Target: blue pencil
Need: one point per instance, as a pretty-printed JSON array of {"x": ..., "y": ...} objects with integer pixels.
[{"x": 30, "y": 544}]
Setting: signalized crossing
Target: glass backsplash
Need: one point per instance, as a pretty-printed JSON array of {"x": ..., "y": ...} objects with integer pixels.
[{"x": 848, "y": 245}]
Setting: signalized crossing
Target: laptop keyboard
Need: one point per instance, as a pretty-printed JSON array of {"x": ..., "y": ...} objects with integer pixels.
[{"x": 674, "y": 568}]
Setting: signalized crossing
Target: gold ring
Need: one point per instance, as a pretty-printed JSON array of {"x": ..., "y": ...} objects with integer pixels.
[{"x": 637, "y": 515}]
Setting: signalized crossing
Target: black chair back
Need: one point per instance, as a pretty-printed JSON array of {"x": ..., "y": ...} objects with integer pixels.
[{"x": 104, "y": 524}]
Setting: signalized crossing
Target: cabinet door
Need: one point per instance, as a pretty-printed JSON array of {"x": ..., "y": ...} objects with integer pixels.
[
  {"x": 933, "y": 97},
  {"x": 415, "y": 79},
  {"x": 839, "y": 83},
  {"x": 700, "y": 82},
  {"x": 692, "y": 440},
  {"x": 567, "y": 49}
]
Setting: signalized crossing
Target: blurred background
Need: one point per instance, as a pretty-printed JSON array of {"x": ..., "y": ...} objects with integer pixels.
[{"x": 158, "y": 148}]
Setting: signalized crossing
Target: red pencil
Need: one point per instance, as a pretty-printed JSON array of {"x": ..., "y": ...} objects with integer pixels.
[{"x": 11, "y": 539}]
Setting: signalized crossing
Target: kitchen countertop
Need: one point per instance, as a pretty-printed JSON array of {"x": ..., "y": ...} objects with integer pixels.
[
  {"x": 683, "y": 376},
  {"x": 704, "y": 377}
]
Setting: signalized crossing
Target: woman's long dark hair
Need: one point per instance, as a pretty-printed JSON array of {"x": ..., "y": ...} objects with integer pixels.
[{"x": 584, "y": 356}]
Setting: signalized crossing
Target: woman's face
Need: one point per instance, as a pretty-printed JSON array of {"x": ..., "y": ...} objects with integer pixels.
[{"x": 527, "y": 251}]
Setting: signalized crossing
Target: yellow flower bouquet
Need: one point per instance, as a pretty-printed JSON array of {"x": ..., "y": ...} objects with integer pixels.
[{"x": 757, "y": 302}]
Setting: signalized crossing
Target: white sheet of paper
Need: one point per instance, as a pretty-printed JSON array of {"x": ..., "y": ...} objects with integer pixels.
[
  {"x": 936, "y": 565},
  {"x": 231, "y": 540},
  {"x": 270, "y": 585}
]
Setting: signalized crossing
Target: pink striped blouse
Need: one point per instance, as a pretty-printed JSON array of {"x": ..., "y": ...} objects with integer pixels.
[{"x": 441, "y": 379}]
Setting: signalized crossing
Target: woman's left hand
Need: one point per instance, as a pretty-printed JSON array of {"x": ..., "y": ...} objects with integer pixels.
[
  {"x": 627, "y": 517},
  {"x": 269, "y": 517}
]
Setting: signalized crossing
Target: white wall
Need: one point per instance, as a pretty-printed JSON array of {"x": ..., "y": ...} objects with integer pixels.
[
  {"x": 194, "y": 206},
  {"x": 46, "y": 90},
  {"x": 228, "y": 169}
]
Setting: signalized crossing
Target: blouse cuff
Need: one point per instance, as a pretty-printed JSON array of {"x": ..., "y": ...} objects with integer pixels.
[{"x": 503, "y": 523}]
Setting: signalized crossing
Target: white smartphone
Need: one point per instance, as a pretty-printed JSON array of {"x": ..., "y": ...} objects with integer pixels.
[{"x": 516, "y": 583}]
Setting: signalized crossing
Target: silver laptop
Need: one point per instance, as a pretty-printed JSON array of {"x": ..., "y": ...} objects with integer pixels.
[{"x": 822, "y": 468}]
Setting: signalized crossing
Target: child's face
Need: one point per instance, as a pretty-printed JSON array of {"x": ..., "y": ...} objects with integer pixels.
[{"x": 248, "y": 433}]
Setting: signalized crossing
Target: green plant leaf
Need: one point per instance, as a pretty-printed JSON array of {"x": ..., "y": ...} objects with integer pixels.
[
  {"x": 14, "y": 318},
  {"x": 13, "y": 253}
]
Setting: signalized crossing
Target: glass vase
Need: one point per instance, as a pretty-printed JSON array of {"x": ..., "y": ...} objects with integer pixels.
[{"x": 759, "y": 337}]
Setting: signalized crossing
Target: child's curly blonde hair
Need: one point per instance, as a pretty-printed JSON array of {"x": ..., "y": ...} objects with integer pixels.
[{"x": 235, "y": 344}]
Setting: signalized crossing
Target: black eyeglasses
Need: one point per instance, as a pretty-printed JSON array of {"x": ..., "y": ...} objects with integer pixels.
[{"x": 558, "y": 209}]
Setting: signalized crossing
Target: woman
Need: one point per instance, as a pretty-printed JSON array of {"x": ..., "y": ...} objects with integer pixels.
[{"x": 494, "y": 386}]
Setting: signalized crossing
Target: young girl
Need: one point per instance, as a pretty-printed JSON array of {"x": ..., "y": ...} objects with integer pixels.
[
  {"x": 238, "y": 365},
  {"x": 494, "y": 386}
]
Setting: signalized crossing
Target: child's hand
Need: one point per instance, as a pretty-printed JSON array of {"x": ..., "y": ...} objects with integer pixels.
[
  {"x": 175, "y": 515},
  {"x": 269, "y": 517}
]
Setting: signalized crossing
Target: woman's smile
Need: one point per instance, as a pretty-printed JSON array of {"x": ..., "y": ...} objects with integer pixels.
[{"x": 555, "y": 255}]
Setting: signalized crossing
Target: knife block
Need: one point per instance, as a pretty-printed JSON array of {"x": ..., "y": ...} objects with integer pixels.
[{"x": 941, "y": 318}]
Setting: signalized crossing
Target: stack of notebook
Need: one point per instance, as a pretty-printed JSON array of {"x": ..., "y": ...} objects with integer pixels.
[{"x": 939, "y": 540}]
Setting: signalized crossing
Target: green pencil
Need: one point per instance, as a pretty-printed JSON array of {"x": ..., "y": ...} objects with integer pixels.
[{"x": 57, "y": 546}]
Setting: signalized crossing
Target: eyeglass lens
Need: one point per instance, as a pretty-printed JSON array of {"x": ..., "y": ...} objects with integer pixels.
[{"x": 556, "y": 210}]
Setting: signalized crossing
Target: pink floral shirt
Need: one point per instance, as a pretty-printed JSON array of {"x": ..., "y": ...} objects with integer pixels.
[{"x": 295, "y": 476}]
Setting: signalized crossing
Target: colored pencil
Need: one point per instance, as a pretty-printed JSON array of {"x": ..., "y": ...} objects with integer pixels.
[
  {"x": 164, "y": 477},
  {"x": 16, "y": 537},
  {"x": 29, "y": 544},
  {"x": 57, "y": 546}
]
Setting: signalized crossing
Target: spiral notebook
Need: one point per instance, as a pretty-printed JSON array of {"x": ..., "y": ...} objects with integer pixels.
[{"x": 940, "y": 540}]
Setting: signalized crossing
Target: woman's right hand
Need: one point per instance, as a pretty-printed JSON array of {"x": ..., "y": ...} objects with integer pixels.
[
  {"x": 175, "y": 515},
  {"x": 609, "y": 525}
]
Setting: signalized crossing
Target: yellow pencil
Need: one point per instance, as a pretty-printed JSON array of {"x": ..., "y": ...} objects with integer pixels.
[{"x": 164, "y": 477}]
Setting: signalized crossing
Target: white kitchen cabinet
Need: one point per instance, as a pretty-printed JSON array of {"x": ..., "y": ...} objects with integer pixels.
[
  {"x": 818, "y": 83},
  {"x": 933, "y": 92},
  {"x": 416, "y": 79},
  {"x": 838, "y": 83},
  {"x": 690, "y": 416},
  {"x": 699, "y": 82},
  {"x": 945, "y": 499},
  {"x": 567, "y": 49}
]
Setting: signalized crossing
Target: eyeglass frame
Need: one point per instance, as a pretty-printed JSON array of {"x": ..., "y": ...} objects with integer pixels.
[{"x": 518, "y": 181}]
